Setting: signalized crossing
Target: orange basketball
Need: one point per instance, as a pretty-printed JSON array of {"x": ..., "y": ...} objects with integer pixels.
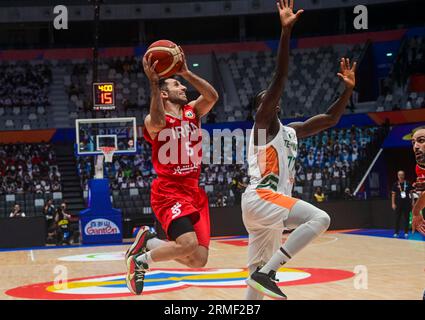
[{"x": 169, "y": 56}]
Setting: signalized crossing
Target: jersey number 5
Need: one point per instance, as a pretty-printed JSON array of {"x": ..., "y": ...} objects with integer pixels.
[{"x": 189, "y": 149}]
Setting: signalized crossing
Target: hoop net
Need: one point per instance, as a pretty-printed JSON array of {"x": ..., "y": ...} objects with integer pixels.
[{"x": 108, "y": 153}]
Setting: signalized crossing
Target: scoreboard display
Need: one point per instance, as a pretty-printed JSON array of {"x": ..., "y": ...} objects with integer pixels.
[{"x": 104, "y": 96}]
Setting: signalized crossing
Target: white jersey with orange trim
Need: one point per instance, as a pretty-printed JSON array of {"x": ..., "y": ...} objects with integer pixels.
[
  {"x": 272, "y": 166},
  {"x": 267, "y": 201}
]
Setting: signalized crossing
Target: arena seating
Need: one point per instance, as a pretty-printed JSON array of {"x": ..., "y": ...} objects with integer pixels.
[
  {"x": 29, "y": 176},
  {"x": 396, "y": 91},
  {"x": 312, "y": 85},
  {"x": 24, "y": 95}
]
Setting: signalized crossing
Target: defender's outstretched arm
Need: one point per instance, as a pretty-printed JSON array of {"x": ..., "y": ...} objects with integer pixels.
[
  {"x": 329, "y": 119},
  {"x": 265, "y": 113}
]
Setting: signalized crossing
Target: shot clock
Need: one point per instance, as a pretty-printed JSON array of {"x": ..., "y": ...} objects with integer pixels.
[{"x": 103, "y": 96}]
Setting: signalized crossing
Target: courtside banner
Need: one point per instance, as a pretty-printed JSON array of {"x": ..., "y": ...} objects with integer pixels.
[{"x": 401, "y": 136}]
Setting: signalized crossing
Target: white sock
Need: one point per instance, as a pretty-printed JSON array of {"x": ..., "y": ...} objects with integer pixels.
[
  {"x": 145, "y": 258},
  {"x": 155, "y": 243},
  {"x": 311, "y": 223},
  {"x": 280, "y": 257}
]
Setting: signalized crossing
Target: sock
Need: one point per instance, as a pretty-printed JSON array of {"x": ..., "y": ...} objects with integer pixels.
[
  {"x": 145, "y": 258},
  {"x": 311, "y": 222},
  {"x": 277, "y": 260},
  {"x": 155, "y": 243}
]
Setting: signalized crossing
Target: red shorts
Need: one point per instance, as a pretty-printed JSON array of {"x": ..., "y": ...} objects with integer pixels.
[{"x": 171, "y": 200}]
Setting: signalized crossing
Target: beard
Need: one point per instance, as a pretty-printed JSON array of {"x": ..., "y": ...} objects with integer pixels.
[
  {"x": 420, "y": 158},
  {"x": 178, "y": 99}
]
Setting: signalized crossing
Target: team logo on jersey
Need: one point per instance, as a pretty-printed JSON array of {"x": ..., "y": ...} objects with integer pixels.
[
  {"x": 167, "y": 280},
  {"x": 189, "y": 114},
  {"x": 175, "y": 210}
]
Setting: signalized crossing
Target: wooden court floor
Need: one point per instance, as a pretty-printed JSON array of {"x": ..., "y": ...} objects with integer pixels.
[{"x": 335, "y": 266}]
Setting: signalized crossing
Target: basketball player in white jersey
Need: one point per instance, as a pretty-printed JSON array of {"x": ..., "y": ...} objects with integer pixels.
[{"x": 267, "y": 205}]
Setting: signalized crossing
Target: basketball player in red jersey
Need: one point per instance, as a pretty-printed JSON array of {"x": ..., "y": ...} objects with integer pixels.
[
  {"x": 418, "y": 141},
  {"x": 173, "y": 129}
]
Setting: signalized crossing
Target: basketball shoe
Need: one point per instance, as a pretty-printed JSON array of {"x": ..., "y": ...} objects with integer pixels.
[
  {"x": 266, "y": 284},
  {"x": 136, "y": 271},
  {"x": 139, "y": 245}
]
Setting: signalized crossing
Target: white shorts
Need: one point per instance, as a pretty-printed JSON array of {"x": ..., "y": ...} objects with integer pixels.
[{"x": 264, "y": 213}]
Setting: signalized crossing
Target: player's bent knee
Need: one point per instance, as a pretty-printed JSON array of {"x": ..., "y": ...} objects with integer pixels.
[
  {"x": 323, "y": 220},
  {"x": 188, "y": 246}
]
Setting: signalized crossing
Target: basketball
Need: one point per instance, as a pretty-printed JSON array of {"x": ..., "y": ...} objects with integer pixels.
[{"x": 169, "y": 56}]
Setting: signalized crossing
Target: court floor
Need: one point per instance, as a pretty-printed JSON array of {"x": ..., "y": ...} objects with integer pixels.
[{"x": 338, "y": 265}]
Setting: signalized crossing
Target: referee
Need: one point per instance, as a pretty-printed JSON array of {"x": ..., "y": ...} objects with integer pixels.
[{"x": 402, "y": 202}]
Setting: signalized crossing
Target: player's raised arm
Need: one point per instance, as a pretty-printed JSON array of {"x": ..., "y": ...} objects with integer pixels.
[
  {"x": 208, "y": 95},
  {"x": 155, "y": 120},
  {"x": 266, "y": 110},
  {"x": 333, "y": 114}
]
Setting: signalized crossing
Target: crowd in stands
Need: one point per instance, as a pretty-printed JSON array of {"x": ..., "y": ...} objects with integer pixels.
[
  {"x": 28, "y": 168},
  {"x": 24, "y": 84},
  {"x": 329, "y": 160}
]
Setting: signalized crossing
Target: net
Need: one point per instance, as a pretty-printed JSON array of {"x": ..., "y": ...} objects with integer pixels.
[{"x": 108, "y": 153}]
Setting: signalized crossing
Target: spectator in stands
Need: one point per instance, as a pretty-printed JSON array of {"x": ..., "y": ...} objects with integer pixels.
[
  {"x": 17, "y": 212},
  {"x": 347, "y": 194},
  {"x": 115, "y": 185},
  {"x": 319, "y": 196},
  {"x": 62, "y": 225},
  {"x": 49, "y": 214},
  {"x": 402, "y": 202},
  {"x": 221, "y": 201},
  {"x": 56, "y": 186}
]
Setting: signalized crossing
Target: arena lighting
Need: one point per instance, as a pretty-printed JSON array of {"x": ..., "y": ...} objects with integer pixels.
[
  {"x": 195, "y": 65},
  {"x": 389, "y": 54}
]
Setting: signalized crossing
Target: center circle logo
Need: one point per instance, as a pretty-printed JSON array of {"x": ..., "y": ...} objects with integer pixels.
[{"x": 167, "y": 280}]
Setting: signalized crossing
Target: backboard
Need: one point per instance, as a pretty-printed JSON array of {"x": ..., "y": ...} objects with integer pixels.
[{"x": 92, "y": 134}]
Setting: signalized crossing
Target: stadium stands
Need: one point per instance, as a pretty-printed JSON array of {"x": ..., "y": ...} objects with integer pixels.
[
  {"x": 312, "y": 84},
  {"x": 24, "y": 95},
  {"x": 29, "y": 175},
  {"x": 397, "y": 91}
]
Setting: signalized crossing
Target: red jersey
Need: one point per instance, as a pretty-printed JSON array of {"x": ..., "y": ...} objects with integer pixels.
[
  {"x": 420, "y": 171},
  {"x": 177, "y": 148}
]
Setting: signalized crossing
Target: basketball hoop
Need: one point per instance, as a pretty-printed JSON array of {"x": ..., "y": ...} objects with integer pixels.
[{"x": 108, "y": 153}]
